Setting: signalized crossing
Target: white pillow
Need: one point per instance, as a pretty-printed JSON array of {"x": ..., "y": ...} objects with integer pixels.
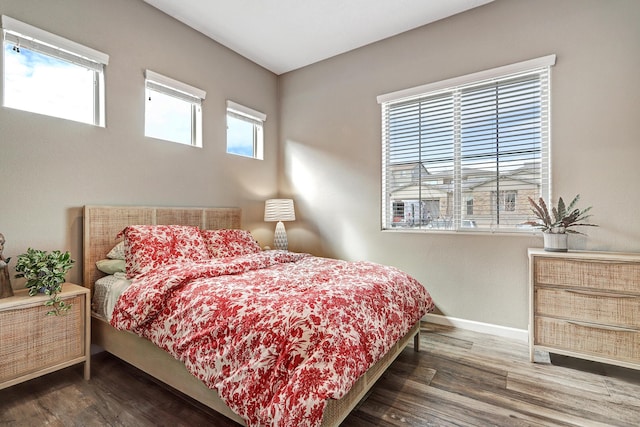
[
  {"x": 117, "y": 252},
  {"x": 106, "y": 292}
]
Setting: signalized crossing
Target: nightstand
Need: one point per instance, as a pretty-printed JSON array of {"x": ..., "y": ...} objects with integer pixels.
[{"x": 34, "y": 344}]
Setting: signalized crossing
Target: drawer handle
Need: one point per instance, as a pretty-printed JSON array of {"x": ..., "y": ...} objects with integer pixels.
[
  {"x": 603, "y": 327},
  {"x": 600, "y": 294}
]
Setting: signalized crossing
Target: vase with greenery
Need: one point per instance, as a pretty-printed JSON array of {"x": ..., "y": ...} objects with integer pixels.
[
  {"x": 555, "y": 225},
  {"x": 45, "y": 273}
]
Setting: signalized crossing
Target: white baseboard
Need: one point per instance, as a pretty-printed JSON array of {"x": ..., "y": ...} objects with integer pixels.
[{"x": 485, "y": 328}]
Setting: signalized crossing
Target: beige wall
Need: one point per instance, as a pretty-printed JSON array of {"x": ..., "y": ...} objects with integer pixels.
[
  {"x": 50, "y": 168},
  {"x": 330, "y": 136}
]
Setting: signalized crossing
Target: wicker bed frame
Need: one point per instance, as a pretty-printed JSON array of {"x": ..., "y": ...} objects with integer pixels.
[{"x": 102, "y": 223}]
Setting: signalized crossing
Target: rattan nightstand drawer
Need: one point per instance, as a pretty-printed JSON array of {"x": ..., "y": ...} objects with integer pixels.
[
  {"x": 33, "y": 344},
  {"x": 589, "y": 306},
  {"x": 31, "y": 340},
  {"x": 590, "y": 339}
]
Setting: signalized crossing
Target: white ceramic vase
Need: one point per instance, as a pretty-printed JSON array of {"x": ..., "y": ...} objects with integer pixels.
[{"x": 555, "y": 242}]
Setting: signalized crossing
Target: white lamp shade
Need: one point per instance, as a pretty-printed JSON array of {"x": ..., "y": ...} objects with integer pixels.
[{"x": 279, "y": 210}]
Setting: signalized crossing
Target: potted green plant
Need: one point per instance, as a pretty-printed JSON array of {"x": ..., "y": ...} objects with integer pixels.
[
  {"x": 45, "y": 273},
  {"x": 558, "y": 223}
]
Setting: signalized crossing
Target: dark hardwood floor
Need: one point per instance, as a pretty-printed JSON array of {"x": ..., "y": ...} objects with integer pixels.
[{"x": 460, "y": 378}]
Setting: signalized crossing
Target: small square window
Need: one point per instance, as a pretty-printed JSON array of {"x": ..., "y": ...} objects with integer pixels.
[
  {"x": 245, "y": 131},
  {"x": 173, "y": 110}
]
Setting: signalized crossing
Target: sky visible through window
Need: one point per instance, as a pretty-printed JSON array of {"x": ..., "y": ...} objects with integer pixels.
[
  {"x": 42, "y": 84},
  {"x": 168, "y": 118},
  {"x": 423, "y": 131},
  {"x": 240, "y": 137}
]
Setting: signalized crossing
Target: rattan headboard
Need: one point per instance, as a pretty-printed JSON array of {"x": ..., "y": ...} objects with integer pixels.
[{"x": 103, "y": 223}]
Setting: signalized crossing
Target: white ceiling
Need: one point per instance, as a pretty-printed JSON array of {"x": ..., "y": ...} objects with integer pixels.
[{"x": 283, "y": 35}]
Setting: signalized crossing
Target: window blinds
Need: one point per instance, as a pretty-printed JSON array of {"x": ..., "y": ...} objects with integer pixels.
[
  {"x": 247, "y": 114},
  {"x": 468, "y": 156},
  {"x": 175, "y": 88},
  {"x": 35, "y": 39}
]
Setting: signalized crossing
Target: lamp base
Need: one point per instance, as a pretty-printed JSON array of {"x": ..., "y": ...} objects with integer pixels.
[{"x": 280, "y": 237}]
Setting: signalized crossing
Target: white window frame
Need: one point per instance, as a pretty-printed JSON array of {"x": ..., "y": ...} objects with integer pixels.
[
  {"x": 52, "y": 45},
  {"x": 452, "y": 87},
  {"x": 156, "y": 82},
  {"x": 253, "y": 117}
]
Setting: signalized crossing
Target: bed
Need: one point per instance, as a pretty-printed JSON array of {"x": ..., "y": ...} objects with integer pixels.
[{"x": 101, "y": 226}]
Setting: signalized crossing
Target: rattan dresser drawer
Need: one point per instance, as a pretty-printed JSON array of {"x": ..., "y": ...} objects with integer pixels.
[
  {"x": 589, "y": 339},
  {"x": 607, "y": 275},
  {"x": 33, "y": 344},
  {"x": 589, "y": 306},
  {"x": 585, "y": 304}
]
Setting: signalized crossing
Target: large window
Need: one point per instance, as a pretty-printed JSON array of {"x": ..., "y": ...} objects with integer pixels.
[
  {"x": 173, "y": 110},
  {"x": 245, "y": 131},
  {"x": 466, "y": 153},
  {"x": 48, "y": 74}
]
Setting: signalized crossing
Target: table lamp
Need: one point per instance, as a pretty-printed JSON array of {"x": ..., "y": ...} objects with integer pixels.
[{"x": 279, "y": 210}]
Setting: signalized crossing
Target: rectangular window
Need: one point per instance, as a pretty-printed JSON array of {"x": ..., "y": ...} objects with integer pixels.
[
  {"x": 398, "y": 213},
  {"x": 469, "y": 205},
  {"x": 173, "y": 110},
  {"x": 477, "y": 144},
  {"x": 48, "y": 74},
  {"x": 505, "y": 201},
  {"x": 245, "y": 131}
]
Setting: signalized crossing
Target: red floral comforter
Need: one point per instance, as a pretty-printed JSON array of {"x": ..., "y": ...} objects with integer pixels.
[{"x": 275, "y": 333}]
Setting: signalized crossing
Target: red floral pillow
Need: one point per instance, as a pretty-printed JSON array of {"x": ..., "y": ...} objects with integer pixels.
[
  {"x": 189, "y": 244},
  {"x": 228, "y": 242},
  {"x": 147, "y": 247}
]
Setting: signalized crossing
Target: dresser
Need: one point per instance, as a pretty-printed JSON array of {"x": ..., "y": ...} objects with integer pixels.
[
  {"x": 586, "y": 305},
  {"x": 34, "y": 344}
]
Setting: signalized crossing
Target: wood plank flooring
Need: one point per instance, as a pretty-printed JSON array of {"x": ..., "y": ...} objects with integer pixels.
[{"x": 459, "y": 378}]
